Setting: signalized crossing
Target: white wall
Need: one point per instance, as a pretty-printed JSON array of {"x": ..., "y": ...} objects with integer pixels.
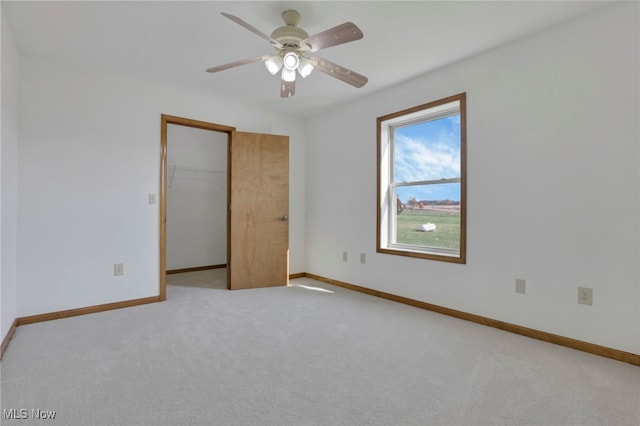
[
  {"x": 553, "y": 189},
  {"x": 89, "y": 155},
  {"x": 8, "y": 188},
  {"x": 196, "y": 197}
]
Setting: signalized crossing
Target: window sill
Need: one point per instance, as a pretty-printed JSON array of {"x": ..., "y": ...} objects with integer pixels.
[{"x": 420, "y": 254}]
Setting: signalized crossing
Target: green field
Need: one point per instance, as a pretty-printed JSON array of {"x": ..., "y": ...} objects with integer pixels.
[{"x": 447, "y": 233}]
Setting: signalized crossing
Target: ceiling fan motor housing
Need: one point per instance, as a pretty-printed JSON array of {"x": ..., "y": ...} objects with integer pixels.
[{"x": 290, "y": 34}]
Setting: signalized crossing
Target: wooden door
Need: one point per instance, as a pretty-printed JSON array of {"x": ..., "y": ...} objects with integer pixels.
[{"x": 258, "y": 255}]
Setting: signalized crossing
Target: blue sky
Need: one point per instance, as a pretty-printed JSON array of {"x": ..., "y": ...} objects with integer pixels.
[{"x": 427, "y": 151}]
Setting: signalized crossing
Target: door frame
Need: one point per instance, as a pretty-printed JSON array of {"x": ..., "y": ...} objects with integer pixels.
[{"x": 187, "y": 122}]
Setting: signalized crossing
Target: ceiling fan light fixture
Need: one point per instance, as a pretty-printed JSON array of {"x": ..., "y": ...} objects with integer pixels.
[
  {"x": 291, "y": 61},
  {"x": 273, "y": 64},
  {"x": 287, "y": 74},
  {"x": 305, "y": 67}
]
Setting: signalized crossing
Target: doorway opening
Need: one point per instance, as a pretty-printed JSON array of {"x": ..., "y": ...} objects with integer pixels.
[
  {"x": 191, "y": 242},
  {"x": 257, "y": 202}
]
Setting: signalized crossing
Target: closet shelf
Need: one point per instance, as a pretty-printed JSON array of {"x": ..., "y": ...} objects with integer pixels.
[{"x": 175, "y": 169}]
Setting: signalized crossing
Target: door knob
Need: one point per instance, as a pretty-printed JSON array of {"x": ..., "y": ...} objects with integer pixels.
[{"x": 284, "y": 218}]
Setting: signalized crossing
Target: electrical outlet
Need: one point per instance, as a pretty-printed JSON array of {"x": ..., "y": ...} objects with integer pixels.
[
  {"x": 585, "y": 296},
  {"x": 521, "y": 286},
  {"x": 363, "y": 258},
  {"x": 345, "y": 256},
  {"x": 118, "y": 269}
]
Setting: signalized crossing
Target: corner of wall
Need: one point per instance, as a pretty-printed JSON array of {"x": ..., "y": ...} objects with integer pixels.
[{"x": 8, "y": 187}]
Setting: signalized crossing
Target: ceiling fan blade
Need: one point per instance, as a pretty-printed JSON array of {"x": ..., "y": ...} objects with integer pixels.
[
  {"x": 237, "y": 63},
  {"x": 252, "y": 29},
  {"x": 339, "y": 72},
  {"x": 287, "y": 88},
  {"x": 341, "y": 34}
]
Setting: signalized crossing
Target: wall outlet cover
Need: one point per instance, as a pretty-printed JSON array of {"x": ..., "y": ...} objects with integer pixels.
[
  {"x": 118, "y": 269},
  {"x": 585, "y": 295}
]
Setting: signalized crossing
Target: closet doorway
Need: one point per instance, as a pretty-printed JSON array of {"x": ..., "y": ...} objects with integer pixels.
[
  {"x": 256, "y": 203},
  {"x": 197, "y": 206}
]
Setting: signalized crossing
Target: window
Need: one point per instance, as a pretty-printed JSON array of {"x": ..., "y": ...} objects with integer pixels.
[{"x": 422, "y": 181}]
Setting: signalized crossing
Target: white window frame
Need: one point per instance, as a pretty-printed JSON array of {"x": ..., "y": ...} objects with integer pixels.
[{"x": 387, "y": 199}]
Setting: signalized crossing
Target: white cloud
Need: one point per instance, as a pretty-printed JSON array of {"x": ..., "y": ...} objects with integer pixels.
[{"x": 421, "y": 159}]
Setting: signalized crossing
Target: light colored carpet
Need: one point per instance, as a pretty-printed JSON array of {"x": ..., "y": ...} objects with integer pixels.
[{"x": 308, "y": 354}]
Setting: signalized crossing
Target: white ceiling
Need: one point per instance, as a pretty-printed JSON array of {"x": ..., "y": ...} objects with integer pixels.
[{"x": 174, "y": 42}]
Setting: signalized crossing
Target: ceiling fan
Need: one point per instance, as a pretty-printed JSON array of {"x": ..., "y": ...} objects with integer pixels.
[{"x": 291, "y": 43}]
